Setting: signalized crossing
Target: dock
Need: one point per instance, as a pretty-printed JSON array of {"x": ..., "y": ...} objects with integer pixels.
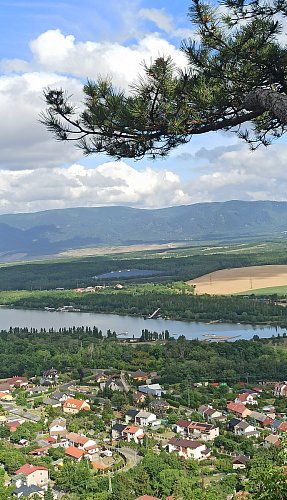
[{"x": 211, "y": 337}]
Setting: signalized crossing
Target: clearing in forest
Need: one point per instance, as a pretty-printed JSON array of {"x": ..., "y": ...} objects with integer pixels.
[{"x": 240, "y": 279}]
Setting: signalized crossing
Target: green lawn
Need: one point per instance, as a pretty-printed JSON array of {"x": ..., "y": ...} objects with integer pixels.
[{"x": 280, "y": 290}]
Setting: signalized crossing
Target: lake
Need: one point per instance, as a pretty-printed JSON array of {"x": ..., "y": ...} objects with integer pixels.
[{"x": 130, "y": 324}]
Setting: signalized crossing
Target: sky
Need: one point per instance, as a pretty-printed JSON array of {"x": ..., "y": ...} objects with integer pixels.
[{"x": 61, "y": 43}]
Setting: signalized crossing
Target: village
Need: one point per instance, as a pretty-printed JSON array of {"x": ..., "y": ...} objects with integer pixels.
[{"x": 106, "y": 419}]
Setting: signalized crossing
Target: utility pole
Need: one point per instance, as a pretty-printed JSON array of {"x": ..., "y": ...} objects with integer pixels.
[
  {"x": 188, "y": 392},
  {"x": 110, "y": 482}
]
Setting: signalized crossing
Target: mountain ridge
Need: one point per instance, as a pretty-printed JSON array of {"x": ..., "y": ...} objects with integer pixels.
[{"x": 52, "y": 231}]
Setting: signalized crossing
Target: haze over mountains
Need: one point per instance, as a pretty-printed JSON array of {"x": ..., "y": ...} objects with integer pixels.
[{"x": 47, "y": 233}]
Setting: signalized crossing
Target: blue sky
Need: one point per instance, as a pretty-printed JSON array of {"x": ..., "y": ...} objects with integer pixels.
[{"x": 61, "y": 43}]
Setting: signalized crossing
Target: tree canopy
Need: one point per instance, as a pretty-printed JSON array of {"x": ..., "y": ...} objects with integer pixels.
[{"x": 235, "y": 78}]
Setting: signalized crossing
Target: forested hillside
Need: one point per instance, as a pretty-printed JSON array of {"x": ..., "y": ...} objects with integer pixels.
[{"x": 49, "y": 232}]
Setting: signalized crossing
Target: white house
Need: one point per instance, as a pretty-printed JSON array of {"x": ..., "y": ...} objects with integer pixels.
[
  {"x": 133, "y": 433},
  {"x": 243, "y": 428},
  {"x": 187, "y": 448},
  {"x": 152, "y": 389},
  {"x": 145, "y": 418},
  {"x": 57, "y": 427},
  {"x": 198, "y": 430},
  {"x": 246, "y": 399}
]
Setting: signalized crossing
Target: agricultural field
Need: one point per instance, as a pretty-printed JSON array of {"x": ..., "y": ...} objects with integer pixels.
[{"x": 242, "y": 279}]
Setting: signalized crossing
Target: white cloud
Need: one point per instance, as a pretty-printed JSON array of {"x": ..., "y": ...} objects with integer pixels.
[
  {"x": 54, "y": 51},
  {"x": 61, "y": 61},
  {"x": 165, "y": 22},
  {"x": 114, "y": 183},
  {"x": 241, "y": 174},
  {"x": 24, "y": 142}
]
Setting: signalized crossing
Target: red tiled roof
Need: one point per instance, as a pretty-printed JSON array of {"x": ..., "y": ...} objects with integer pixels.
[
  {"x": 72, "y": 402},
  {"x": 38, "y": 451},
  {"x": 283, "y": 427},
  {"x": 183, "y": 423},
  {"x": 97, "y": 465},
  {"x": 29, "y": 469},
  {"x": 147, "y": 497},
  {"x": 131, "y": 429},
  {"x": 77, "y": 438},
  {"x": 236, "y": 407},
  {"x": 74, "y": 452},
  {"x": 13, "y": 425}
]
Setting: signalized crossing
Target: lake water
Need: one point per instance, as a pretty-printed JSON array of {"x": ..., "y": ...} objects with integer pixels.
[{"x": 130, "y": 324}]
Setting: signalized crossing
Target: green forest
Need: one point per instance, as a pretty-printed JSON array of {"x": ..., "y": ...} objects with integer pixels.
[
  {"x": 173, "y": 265},
  {"x": 176, "y": 301},
  {"x": 29, "y": 352}
]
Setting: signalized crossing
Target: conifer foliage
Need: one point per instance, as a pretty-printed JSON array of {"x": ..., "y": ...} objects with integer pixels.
[{"x": 235, "y": 78}]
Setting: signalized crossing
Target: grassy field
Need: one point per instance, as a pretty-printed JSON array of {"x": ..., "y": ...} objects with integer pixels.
[
  {"x": 242, "y": 279},
  {"x": 279, "y": 290}
]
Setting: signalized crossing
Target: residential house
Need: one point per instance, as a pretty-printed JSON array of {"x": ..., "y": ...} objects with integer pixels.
[
  {"x": 59, "y": 396},
  {"x": 239, "y": 409},
  {"x": 133, "y": 433},
  {"x": 212, "y": 415},
  {"x": 159, "y": 406},
  {"x": 197, "y": 430},
  {"x": 32, "y": 491},
  {"x": 281, "y": 390},
  {"x": 16, "y": 382},
  {"x": 260, "y": 418},
  {"x": 72, "y": 405},
  {"x": 147, "y": 497},
  {"x": 232, "y": 423},
  {"x": 239, "y": 462},
  {"x": 272, "y": 440},
  {"x": 145, "y": 418},
  {"x": 13, "y": 425},
  {"x": 115, "y": 383},
  {"x": 117, "y": 431},
  {"x": 80, "y": 441},
  {"x": 209, "y": 413},
  {"x": 131, "y": 415},
  {"x": 57, "y": 427},
  {"x": 6, "y": 396},
  {"x": 187, "y": 448},
  {"x": 38, "y": 389},
  {"x": 139, "y": 397},
  {"x": 31, "y": 475},
  {"x": 41, "y": 452},
  {"x": 246, "y": 399},
  {"x": 152, "y": 390},
  {"x": 75, "y": 453},
  {"x": 139, "y": 376},
  {"x": 243, "y": 428},
  {"x": 52, "y": 402}
]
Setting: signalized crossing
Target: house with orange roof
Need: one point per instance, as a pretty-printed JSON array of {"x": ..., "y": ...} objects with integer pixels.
[
  {"x": 133, "y": 433},
  {"x": 32, "y": 475},
  {"x": 74, "y": 452},
  {"x": 5, "y": 396},
  {"x": 147, "y": 497},
  {"x": 73, "y": 406},
  {"x": 99, "y": 466},
  {"x": 80, "y": 441},
  {"x": 238, "y": 409},
  {"x": 13, "y": 426}
]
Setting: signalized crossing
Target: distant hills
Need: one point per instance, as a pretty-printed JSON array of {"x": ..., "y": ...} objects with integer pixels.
[{"x": 52, "y": 231}]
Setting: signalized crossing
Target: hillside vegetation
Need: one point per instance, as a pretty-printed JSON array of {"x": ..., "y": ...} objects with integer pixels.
[{"x": 53, "y": 231}]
